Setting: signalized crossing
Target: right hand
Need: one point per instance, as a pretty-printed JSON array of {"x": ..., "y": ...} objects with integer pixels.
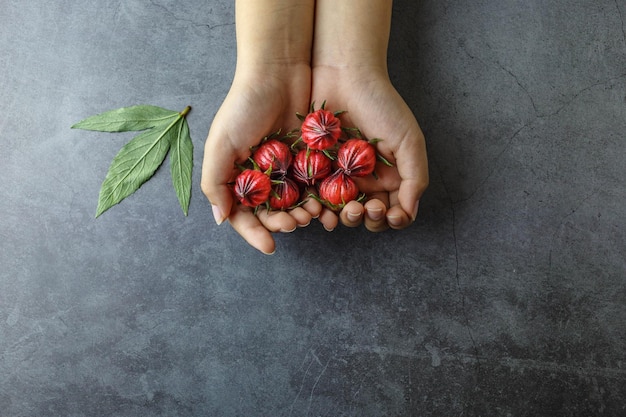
[{"x": 257, "y": 105}]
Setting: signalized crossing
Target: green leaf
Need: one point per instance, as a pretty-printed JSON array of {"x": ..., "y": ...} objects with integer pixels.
[
  {"x": 139, "y": 159},
  {"x": 126, "y": 119},
  {"x": 134, "y": 164},
  {"x": 181, "y": 164}
]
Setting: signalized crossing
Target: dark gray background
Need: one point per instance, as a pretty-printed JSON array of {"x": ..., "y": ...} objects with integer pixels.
[{"x": 506, "y": 298}]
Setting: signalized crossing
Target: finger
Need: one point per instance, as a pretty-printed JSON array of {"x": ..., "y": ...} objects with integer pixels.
[
  {"x": 352, "y": 214},
  {"x": 301, "y": 216},
  {"x": 387, "y": 178},
  {"x": 329, "y": 219},
  {"x": 250, "y": 228},
  {"x": 412, "y": 165},
  {"x": 313, "y": 207},
  {"x": 277, "y": 221},
  {"x": 217, "y": 171},
  {"x": 397, "y": 218},
  {"x": 374, "y": 219}
]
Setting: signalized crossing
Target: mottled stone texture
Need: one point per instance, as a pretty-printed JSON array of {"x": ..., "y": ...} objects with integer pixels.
[{"x": 506, "y": 298}]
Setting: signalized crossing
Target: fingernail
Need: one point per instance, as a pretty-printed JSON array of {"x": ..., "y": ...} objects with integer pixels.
[
  {"x": 288, "y": 231},
  {"x": 414, "y": 214},
  {"x": 329, "y": 229},
  {"x": 375, "y": 214},
  {"x": 354, "y": 217},
  {"x": 394, "y": 220},
  {"x": 217, "y": 214},
  {"x": 269, "y": 253}
]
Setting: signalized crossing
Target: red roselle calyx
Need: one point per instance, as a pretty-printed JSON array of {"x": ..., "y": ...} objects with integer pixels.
[
  {"x": 273, "y": 155},
  {"x": 285, "y": 194},
  {"x": 310, "y": 166},
  {"x": 338, "y": 189},
  {"x": 357, "y": 157},
  {"x": 278, "y": 171},
  {"x": 320, "y": 129},
  {"x": 252, "y": 187}
]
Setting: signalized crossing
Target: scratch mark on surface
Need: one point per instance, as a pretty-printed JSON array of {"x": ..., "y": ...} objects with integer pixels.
[
  {"x": 562, "y": 221},
  {"x": 457, "y": 274},
  {"x": 621, "y": 19},
  {"x": 510, "y": 73},
  {"x": 580, "y": 92},
  {"x": 306, "y": 373},
  {"x": 194, "y": 23},
  {"x": 494, "y": 164},
  {"x": 538, "y": 116},
  {"x": 317, "y": 380},
  {"x": 513, "y": 363}
]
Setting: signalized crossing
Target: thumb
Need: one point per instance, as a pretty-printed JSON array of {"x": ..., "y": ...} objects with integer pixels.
[
  {"x": 218, "y": 169},
  {"x": 412, "y": 164}
]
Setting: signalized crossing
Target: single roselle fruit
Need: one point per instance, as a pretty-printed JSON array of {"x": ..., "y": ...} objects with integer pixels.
[
  {"x": 320, "y": 129},
  {"x": 273, "y": 155},
  {"x": 357, "y": 157},
  {"x": 285, "y": 194},
  {"x": 338, "y": 189},
  {"x": 252, "y": 187},
  {"x": 310, "y": 166}
]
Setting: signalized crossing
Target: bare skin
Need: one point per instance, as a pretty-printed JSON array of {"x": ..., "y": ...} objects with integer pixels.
[
  {"x": 350, "y": 72},
  {"x": 271, "y": 83},
  {"x": 277, "y": 75}
]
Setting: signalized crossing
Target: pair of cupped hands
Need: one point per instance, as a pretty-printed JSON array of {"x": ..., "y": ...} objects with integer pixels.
[{"x": 259, "y": 103}]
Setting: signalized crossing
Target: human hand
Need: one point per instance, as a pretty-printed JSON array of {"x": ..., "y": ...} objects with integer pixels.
[
  {"x": 258, "y": 103},
  {"x": 349, "y": 65},
  {"x": 375, "y": 107},
  {"x": 272, "y": 82}
]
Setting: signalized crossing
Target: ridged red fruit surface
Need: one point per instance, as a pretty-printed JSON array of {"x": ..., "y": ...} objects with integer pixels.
[
  {"x": 252, "y": 187},
  {"x": 285, "y": 195},
  {"x": 320, "y": 129},
  {"x": 310, "y": 166},
  {"x": 357, "y": 157},
  {"x": 273, "y": 154},
  {"x": 338, "y": 189}
]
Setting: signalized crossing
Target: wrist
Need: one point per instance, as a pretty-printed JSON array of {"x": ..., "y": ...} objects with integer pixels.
[
  {"x": 350, "y": 74},
  {"x": 274, "y": 33},
  {"x": 352, "y": 33},
  {"x": 351, "y": 58}
]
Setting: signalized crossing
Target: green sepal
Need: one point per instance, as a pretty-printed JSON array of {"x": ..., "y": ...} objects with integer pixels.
[
  {"x": 383, "y": 160},
  {"x": 354, "y": 132},
  {"x": 328, "y": 155},
  {"x": 296, "y": 142},
  {"x": 254, "y": 164}
]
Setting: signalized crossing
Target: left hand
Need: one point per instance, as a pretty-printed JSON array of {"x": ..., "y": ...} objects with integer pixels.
[{"x": 375, "y": 107}]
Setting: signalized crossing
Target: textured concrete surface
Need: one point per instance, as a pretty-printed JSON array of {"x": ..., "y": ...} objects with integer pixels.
[{"x": 506, "y": 298}]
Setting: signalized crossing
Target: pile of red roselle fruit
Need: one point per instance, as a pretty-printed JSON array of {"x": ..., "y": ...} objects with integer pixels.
[{"x": 320, "y": 160}]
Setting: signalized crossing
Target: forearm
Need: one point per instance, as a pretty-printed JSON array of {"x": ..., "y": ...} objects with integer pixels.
[
  {"x": 273, "y": 34},
  {"x": 352, "y": 33}
]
